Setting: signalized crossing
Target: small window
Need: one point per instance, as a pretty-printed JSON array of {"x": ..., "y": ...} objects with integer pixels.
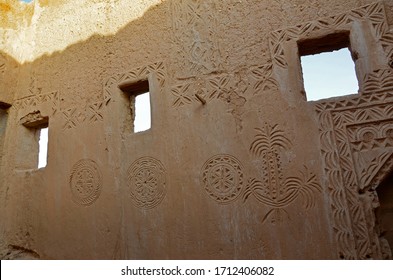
[
  {"x": 328, "y": 68},
  {"x": 138, "y": 103},
  {"x": 33, "y": 146},
  {"x": 142, "y": 121},
  {"x": 43, "y": 147}
]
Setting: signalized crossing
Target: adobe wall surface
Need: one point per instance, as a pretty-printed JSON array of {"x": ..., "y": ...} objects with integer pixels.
[{"x": 237, "y": 164}]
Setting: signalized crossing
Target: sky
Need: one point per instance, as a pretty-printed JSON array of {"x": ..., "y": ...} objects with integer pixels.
[
  {"x": 329, "y": 74},
  {"x": 142, "y": 112},
  {"x": 325, "y": 75},
  {"x": 43, "y": 150}
]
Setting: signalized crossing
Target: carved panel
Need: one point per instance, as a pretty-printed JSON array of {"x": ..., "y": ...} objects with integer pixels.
[
  {"x": 147, "y": 182},
  {"x": 195, "y": 45},
  {"x": 378, "y": 81},
  {"x": 184, "y": 94},
  {"x": 225, "y": 87},
  {"x": 374, "y": 13},
  {"x": 33, "y": 102},
  {"x": 74, "y": 110},
  {"x": 356, "y": 146},
  {"x": 82, "y": 108},
  {"x": 272, "y": 189},
  {"x": 134, "y": 75},
  {"x": 223, "y": 178},
  {"x": 263, "y": 78},
  {"x": 85, "y": 182}
]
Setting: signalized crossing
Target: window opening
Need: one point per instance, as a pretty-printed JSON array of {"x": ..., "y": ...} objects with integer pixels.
[
  {"x": 142, "y": 121},
  {"x": 327, "y": 67},
  {"x": 43, "y": 147},
  {"x": 33, "y": 148},
  {"x": 139, "y": 106}
]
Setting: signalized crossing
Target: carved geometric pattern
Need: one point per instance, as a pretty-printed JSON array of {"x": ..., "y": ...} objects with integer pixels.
[
  {"x": 372, "y": 136},
  {"x": 219, "y": 87},
  {"x": 224, "y": 87},
  {"x": 146, "y": 181},
  {"x": 81, "y": 109},
  {"x": 33, "y": 102},
  {"x": 378, "y": 81},
  {"x": 384, "y": 165},
  {"x": 75, "y": 109},
  {"x": 194, "y": 26},
  {"x": 375, "y": 13},
  {"x": 133, "y": 76},
  {"x": 85, "y": 182},
  {"x": 372, "y": 175},
  {"x": 272, "y": 190},
  {"x": 2, "y": 68},
  {"x": 263, "y": 76},
  {"x": 183, "y": 95},
  {"x": 222, "y": 177},
  {"x": 355, "y": 146}
]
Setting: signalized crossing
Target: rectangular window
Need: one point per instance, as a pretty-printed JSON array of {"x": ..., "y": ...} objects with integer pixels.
[
  {"x": 33, "y": 137},
  {"x": 43, "y": 147},
  {"x": 142, "y": 121},
  {"x": 138, "y": 103},
  {"x": 327, "y": 66}
]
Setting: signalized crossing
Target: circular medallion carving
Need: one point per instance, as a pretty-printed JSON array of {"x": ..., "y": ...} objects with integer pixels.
[
  {"x": 222, "y": 176},
  {"x": 146, "y": 181},
  {"x": 368, "y": 137},
  {"x": 85, "y": 182}
]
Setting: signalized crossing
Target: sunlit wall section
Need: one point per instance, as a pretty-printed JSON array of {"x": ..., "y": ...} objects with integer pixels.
[{"x": 30, "y": 30}]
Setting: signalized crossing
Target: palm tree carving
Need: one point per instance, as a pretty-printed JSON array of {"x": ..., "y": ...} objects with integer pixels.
[{"x": 273, "y": 190}]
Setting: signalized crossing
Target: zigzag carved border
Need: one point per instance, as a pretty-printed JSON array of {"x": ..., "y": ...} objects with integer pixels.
[
  {"x": 374, "y": 13},
  {"x": 353, "y": 235}
]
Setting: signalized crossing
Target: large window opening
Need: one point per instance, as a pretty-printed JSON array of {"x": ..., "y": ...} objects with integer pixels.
[
  {"x": 139, "y": 106},
  {"x": 328, "y": 68}
]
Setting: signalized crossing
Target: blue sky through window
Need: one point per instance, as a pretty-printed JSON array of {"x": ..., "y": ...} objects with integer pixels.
[{"x": 329, "y": 74}]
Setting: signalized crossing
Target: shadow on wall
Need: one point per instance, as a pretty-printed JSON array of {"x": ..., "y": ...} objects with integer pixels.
[
  {"x": 8, "y": 84},
  {"x": 68, "y": 85},
  {"x": 385, "y": 211}
]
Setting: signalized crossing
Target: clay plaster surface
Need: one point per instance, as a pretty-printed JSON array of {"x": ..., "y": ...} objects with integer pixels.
[
  {"x": 236, "y": 165},
  {"x": 29, "y": 30}
]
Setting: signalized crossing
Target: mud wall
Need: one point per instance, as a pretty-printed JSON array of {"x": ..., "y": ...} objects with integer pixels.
[{"x": 237, "y": 164}]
